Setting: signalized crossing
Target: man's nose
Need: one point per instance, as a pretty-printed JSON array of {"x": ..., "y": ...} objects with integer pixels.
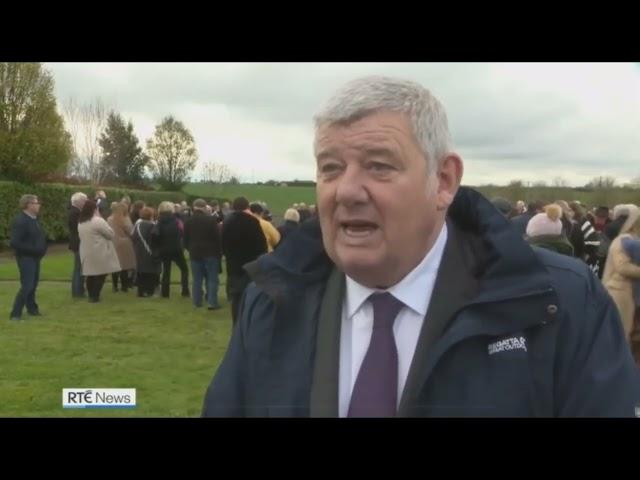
[{"x": 352, "y": 187}]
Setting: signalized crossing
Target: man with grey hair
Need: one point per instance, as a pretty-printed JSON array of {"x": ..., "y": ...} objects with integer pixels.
[
  {"x": 413, "y": 296},
  {"x": 29, "y": 242},
  {"x": 77, "y": 280},
  {"x": 202, "y": 240}
]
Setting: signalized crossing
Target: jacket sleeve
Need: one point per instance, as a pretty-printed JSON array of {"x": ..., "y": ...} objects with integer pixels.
[
  {"x": 227, "y": 393},
  {"x": 260, "y": 240},
  {"x": 17, "y": 241},
  {"x": 105, "y": 230},
  {"x": 623, "y": 263},
  {"x": 596, "y": 375},
  {"x": 274, "y": 235},
  {"x": 186, "y": 236}
]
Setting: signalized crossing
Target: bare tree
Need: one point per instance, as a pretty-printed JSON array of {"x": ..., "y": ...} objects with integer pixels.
[
  {"x": 559, "y": 182},
  {"x": 602, "y": 183},
  {"x": 86, "y": 122},
  {"x": 216, "y": 173}
]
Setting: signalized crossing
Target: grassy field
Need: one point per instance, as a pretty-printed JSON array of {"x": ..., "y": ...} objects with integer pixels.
[
  {"x": 165, "y": 348},
  {"x": 278, "y": 199}
]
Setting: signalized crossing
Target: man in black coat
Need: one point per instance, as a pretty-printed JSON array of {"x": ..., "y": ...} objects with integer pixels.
[
  {"x": 202, "y": 240},
  {"x": 77, "y": 281},
  {"x": 242, "y": 242},
  {"x": 30, "y": 244}
]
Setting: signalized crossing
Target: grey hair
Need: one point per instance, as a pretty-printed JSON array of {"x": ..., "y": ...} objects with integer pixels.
[
  {"x": 166, "y": 207},
  {"x": 77, "y": 198},
  {"x": 368, "y": 95},
  {"x": 26, "y": 200},
  {"x": 292, "y": 215}
]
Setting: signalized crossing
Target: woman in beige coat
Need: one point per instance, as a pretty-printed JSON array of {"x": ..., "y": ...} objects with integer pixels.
[
  {"x": 97, "y": 252},
  {"x": 620, "y": 271},
  {"x": 122, "y": 227}
]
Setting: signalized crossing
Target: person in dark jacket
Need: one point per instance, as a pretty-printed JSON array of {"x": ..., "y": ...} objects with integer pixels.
[
  {"x": 147, "y": 261},
  {"x": 291, "y": 222},
  {"x": 413, "y": 296},
  {"x": 77, "y": 280},
  {"x": 591, "y": 238},
  {"x": 520, "y": 222},
  {"x": 202, "y": 240},
  {"x": 571, "y": 229},
  {"x": 29, "y": 243},
  {"x": 242, "y": 242},
  {"x": 103, "y": 205},
  {"x": 546, "y": 230},
  {"x": 167, "y": 240},
  {"x": 137, "y": 206}
]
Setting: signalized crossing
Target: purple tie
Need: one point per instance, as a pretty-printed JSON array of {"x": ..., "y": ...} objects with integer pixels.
[{"x": 375, "y": 392}]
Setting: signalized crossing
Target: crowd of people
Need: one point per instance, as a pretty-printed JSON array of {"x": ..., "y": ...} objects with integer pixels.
[
  {"x": 137, "y": 244},
  {"x": 606, "y": 239},
  {"x": 409, "y": 295}
]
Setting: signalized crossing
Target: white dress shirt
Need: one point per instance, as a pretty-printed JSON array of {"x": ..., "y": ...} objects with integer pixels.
[{"x": 414, "y": 290}]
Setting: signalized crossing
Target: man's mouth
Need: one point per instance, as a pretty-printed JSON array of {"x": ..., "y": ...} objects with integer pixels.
[{"x": 358, "y": 228}]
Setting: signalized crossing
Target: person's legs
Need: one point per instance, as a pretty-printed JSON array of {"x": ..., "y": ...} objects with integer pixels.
[
  {"x": 114, "y": 281},
  {"x": 184, "y": 273},
  {"x": 32, "y": 306},
  {"x": 153, "y": 280},
  {"x": 99, "y": 284},
  {"x": 166, "y": 277},
  {"x": 212, "y": 268},
  {"x": 141, "y": 284},
  {"x": 77, "y": 281},
  {"x": 124, "y": 280},
  {"x": 197, "y": 272},
  {"x": 91, "y": 288},
  {"x": 27, "y": 279}
]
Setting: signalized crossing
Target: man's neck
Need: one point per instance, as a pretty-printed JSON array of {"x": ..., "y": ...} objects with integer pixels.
[{"x": 32, "y": 215}]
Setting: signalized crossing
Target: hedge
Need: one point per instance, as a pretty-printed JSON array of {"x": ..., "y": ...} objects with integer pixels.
[{"x": 56, "y": 198}]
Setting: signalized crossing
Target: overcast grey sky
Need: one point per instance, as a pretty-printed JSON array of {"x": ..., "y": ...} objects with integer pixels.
[{"x": 508, "y": 121}]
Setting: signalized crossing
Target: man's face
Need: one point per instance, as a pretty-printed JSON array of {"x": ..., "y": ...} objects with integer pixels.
[
  {"x": 33, "y": 207},
  {"x": 379, "y": 210}
]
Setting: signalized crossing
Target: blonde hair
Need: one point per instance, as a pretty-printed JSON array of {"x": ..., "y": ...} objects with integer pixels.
[
  {"x": 166, "y": 207},
  {"x": 632, "y": 225},
  {"x": 553, "y": 211},
  {"x": 292, "y": 215}
]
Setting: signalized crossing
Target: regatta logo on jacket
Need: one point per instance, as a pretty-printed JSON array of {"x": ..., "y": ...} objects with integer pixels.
[{"x": 513, "y": 343}]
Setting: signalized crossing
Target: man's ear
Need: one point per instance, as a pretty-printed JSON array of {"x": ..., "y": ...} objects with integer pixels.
[{"x": 449, "y": 176}]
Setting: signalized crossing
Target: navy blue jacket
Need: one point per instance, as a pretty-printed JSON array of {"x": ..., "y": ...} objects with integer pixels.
[
  {"x": 540, "y": 337},
  {"x": 521, "y": 221},
  {"x": 27, "y": 237}
]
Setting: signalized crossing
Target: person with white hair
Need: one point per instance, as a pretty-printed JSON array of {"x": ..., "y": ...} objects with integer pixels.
[
  {"x": 411, "y": 296},
  {"x": 166, "y": 238},
  {"x": 291, "y": 222},
  {"x": 77, "y": 280}
]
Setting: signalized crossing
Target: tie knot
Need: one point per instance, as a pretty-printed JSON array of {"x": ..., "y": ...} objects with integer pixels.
[{"x": 385, "y": 309}]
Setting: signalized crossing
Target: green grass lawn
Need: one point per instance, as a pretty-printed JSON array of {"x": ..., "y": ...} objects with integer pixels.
[
  {"x": 165, "y": 348},
  {"x": 278, "y": 198}
]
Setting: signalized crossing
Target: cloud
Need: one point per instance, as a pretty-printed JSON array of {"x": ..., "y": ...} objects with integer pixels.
[{"x": 507, "y": 120}]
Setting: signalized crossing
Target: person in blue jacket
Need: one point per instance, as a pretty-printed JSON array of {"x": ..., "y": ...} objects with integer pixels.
[
  {"x": 412, "y": 296},
  {"x": 29, "y": 243}
]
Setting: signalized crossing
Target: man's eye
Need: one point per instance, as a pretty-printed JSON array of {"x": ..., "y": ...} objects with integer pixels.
[
  {"x": 329, "y": 168},
  {"x": 380, "y": 167}
]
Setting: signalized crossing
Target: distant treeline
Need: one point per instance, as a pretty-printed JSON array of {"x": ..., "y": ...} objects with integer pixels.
[{"x": 591, "y": 197}]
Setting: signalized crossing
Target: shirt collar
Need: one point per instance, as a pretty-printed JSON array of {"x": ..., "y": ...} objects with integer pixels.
[{"x": 411, "y": 290}]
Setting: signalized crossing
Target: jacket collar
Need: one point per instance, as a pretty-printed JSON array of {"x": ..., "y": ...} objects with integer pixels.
[{"x": 509, "y": 267}]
